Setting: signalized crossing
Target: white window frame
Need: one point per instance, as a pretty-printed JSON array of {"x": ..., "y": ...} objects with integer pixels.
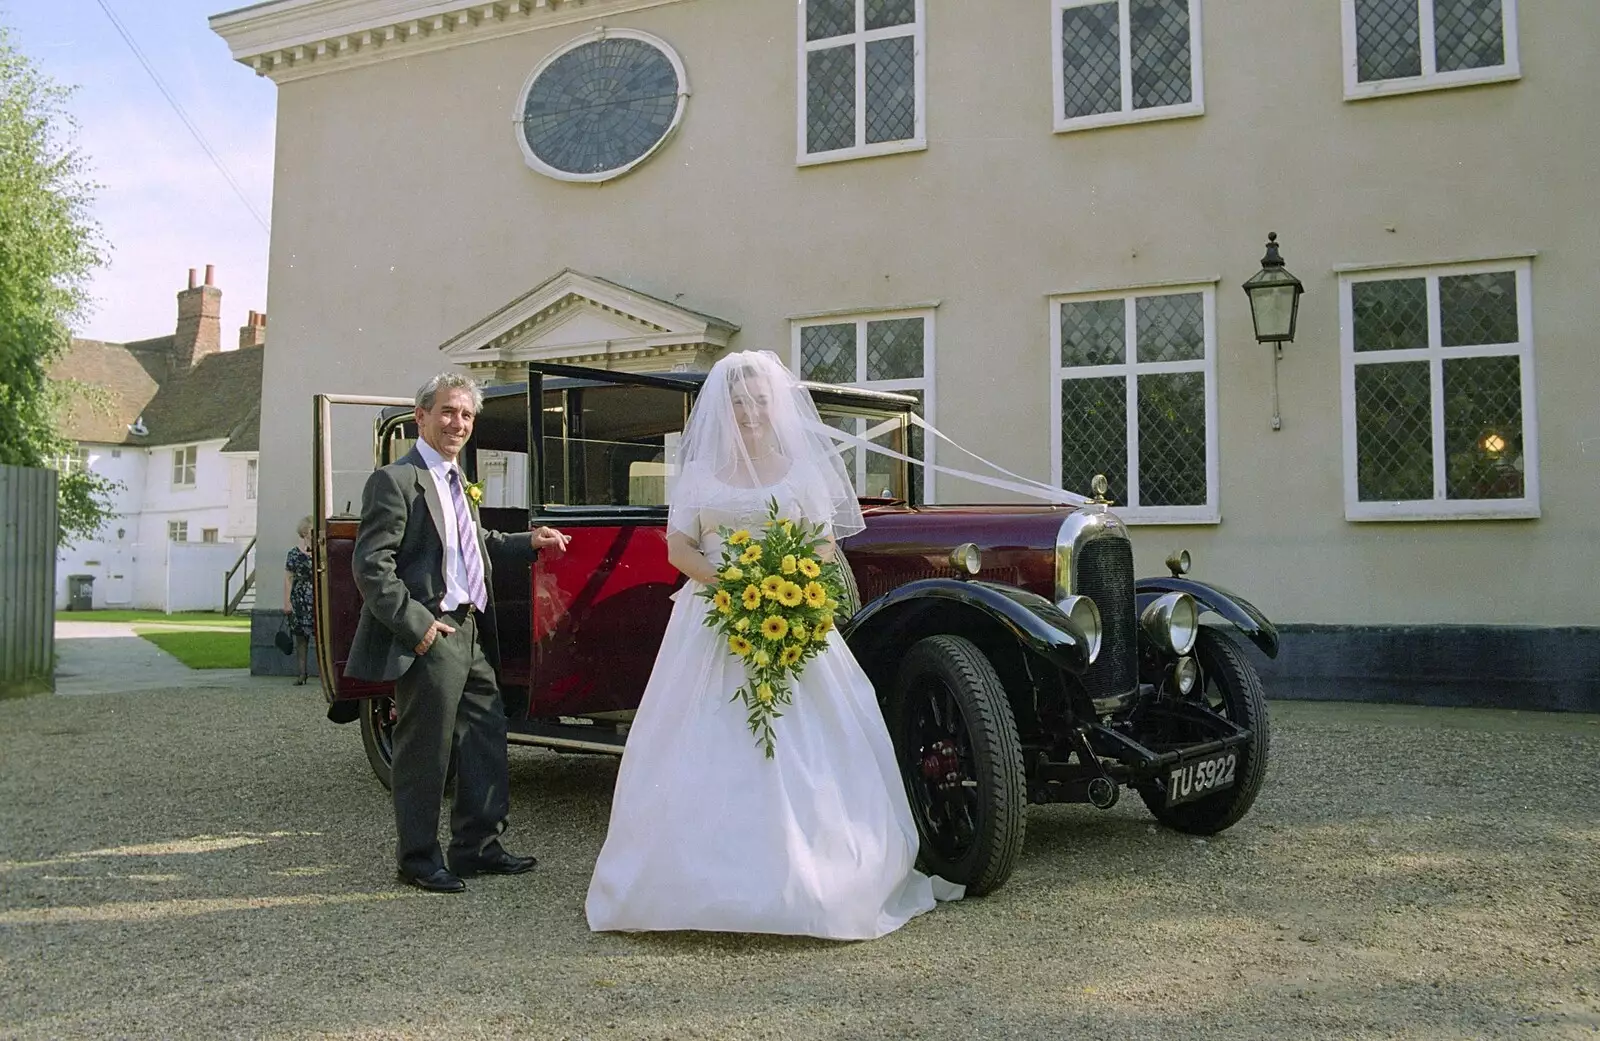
[
  {"x": 252, "y": 479},
  {"x": 1210, "y": 512},
  {"x": 1431, "y": 78},
  {"x": 1196, "y": 106},
  {"x": 177, "y": 531},
  {"x": 666, "y": 49},
  {"x": 859, "y": 39},
  {"x": 923, "y": 385},
  {"x": 209, "y": 536},
  {"x": 185, "y": 463},
  {"x": 74, "y": 460},
  {"x": 1439, "y": 507}
]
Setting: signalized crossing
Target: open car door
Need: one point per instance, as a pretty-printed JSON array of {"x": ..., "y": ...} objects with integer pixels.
[{"x": 364, "y": 442}]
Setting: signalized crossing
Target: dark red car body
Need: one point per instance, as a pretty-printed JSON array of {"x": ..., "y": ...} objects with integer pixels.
[{"x": 1053, "y": 586}]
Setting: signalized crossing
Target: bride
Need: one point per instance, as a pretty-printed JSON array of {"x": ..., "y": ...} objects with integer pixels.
[{"x": 706, "y": 832}]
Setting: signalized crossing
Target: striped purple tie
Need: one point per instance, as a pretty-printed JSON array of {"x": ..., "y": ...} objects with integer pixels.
[{"x": 467, "y": 539}]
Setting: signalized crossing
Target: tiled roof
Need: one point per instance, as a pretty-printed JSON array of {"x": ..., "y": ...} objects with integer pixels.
[
  {"x": 246, "y": 435},
  {"x": 219, "y": 399},
  {"x": 122, "y": 377}
]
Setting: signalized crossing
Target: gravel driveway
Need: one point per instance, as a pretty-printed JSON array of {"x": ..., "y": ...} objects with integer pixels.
[{"x": 216, "y": 864}]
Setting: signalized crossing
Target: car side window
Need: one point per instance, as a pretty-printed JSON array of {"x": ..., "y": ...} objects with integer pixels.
[{"x": 610, "y": 445}]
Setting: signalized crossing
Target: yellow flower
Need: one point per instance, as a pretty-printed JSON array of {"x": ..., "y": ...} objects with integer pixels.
[
  {"x": 789, "y": 565},
  {"x": 762, "y": 659},
  {"x": 764, "y": 694},
  {"x": 776, "y": 627},
  {"x": 788, "y": 527},
  {"x": 797, "y": 632},
  {"x": 740, "y": 646},
  {"x": 751, "y": 598},
  {"x": 733, "y": 574},
  {"x": 772, "y": 587},
  {"x": 475, "y": 492},
  {"x": 790, "y": 595},
  {"x": 751, "y": 554},
  {"x": 742, "y": 625},
  {"x": 810, "y": 568},
  {"x": 723, "y": 601},
  {"x": 823, "y": 627},
  {"x": 739, "y": 537},
  {"x": 790, "y": 655},
  {"x": 831, "y": 604},
  {"x": 816, "y": 595}
]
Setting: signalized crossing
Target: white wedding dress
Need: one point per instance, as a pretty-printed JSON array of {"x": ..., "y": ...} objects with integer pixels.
[{"x": 707, "y": 833}]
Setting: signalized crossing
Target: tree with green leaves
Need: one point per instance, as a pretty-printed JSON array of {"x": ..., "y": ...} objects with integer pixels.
[{"x": 48, "y": 247}]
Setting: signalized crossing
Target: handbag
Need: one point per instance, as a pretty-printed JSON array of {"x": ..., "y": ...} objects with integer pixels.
[{"x": 283, "y": 639}]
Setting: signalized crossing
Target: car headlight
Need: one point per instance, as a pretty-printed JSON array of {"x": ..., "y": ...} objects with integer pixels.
[
  {"x": 1173, "y": 622},
  {"x": 1085, "y": 618},
  {"x": 1184, "y": 674},
  {"x": 967, "y": 558}
]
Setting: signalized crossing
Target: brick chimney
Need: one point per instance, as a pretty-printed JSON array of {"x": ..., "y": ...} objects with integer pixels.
[
  {"x": 199, "y": 323},
  {"x": 254, "y": 332}
]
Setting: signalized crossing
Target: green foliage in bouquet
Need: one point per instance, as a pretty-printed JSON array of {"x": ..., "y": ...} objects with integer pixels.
[{"x": 774, "y": 602}]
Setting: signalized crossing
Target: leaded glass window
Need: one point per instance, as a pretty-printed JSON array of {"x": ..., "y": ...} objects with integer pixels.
[
  {"x": 600, "y": 106},
  {"x": 861, "y": 77},
  {"x": 1123, "y": 60},
  {"x": 1135, "y": 400},
  {"x": 1412, "y": 44},
  {"x": 880, "y": 352},
  {"x": 1438, "y": 394}
]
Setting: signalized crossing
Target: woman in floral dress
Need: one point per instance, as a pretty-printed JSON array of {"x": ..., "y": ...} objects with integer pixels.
[{"x": 297, "y": 595}]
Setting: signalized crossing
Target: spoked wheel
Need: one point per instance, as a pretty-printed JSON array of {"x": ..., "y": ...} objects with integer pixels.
[
  {"x": 1229, "y": 687},
  {"x": 377, "y": 736},
  {"x": 957, "y": 744}
]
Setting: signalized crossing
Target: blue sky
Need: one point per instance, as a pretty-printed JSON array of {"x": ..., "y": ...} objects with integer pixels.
[{"x": 162, "y": 206}]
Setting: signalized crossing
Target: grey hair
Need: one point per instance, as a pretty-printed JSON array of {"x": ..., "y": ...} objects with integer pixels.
[
  {"x": 449, "y": 381},
  {"x": 304, "y": 527}
]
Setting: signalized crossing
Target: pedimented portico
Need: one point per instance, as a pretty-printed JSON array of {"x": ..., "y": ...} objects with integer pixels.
[{"x": 580, "y": 319}]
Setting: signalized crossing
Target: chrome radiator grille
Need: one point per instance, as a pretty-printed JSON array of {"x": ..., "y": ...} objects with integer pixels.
[{"x": 1103, "y": 571}]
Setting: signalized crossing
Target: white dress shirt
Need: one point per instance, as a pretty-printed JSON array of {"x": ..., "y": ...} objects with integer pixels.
[{"x": 455, "y": 567}]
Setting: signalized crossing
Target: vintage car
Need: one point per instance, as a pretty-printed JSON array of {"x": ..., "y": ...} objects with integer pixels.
[{"x": 1017, "y": 658}]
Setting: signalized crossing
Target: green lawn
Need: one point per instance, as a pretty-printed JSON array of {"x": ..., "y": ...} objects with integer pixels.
[
  {"x": 204, "y": 650},
  {"x": 239, "y": 621}
]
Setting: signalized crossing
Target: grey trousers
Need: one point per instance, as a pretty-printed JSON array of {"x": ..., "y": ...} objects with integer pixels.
[{"x": 449, "y": 700}]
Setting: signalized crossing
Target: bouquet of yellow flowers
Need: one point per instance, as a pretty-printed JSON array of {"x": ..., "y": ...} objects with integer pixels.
[{"x": 774, "y": 602}]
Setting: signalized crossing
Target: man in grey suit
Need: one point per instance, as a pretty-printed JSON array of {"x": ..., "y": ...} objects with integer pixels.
[{"x": 427, "y": 623}]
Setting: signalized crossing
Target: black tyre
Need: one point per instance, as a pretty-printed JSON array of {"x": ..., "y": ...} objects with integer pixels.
[
  {"x": 1230, "y": 687},
  {"x": 377, "y": 736},
  {"x": 956, "y": 741}
]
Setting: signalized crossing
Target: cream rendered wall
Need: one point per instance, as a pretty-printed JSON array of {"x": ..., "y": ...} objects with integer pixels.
[{"x": 404, "y": 213}]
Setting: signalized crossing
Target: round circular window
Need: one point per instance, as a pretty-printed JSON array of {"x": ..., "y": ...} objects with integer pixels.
[{"x": 600, "y": 105}]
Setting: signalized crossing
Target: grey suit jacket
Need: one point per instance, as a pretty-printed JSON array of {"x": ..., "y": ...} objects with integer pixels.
[{"x": 399, "y": 569}]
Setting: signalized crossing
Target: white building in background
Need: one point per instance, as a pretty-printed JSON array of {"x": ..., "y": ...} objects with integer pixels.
[{"x": 174, "y": 422}]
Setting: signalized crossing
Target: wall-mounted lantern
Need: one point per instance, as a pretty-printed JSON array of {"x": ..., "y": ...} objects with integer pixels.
[{"x": 1274, "y": 309}]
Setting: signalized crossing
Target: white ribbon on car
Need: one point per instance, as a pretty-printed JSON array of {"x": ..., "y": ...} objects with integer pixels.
[{"x": 1020, "y": 486}]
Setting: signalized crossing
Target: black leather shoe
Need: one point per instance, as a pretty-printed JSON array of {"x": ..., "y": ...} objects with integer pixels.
[
  {"x": 498, "y": 863},
  {"x": 440, "y": 881}
]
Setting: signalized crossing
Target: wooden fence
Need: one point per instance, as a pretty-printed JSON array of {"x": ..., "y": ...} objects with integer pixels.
[{"x": 27, "y": 580}]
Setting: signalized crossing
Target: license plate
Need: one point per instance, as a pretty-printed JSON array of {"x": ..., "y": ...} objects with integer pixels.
[{"x": 1200, "y": 777}]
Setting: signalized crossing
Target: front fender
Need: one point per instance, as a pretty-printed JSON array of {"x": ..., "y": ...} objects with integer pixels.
[
  {"x": 1036, "y": 623},
  {"x": 1239, "y": 612}
]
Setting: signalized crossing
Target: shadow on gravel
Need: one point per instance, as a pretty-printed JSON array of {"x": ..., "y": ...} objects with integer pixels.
[{"x": 218, "y": 864}]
